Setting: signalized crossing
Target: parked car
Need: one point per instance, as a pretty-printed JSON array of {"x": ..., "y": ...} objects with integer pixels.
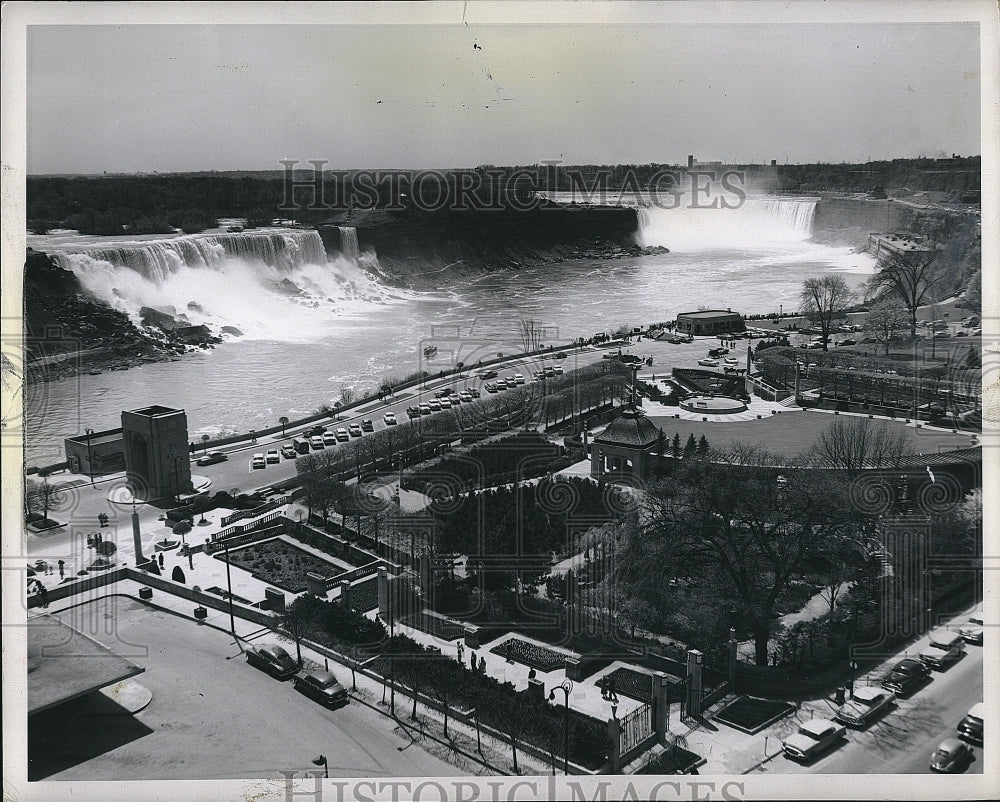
[
  {"x": 342, "y": 435},
  {"x": 864, "y": 705},
  {"x": 709, "y": 363},
  {"x": 434, "y": 404},
  {"x": 465, "y": 396},
  {"x": 945, "y": 647},
  {"x": 951, "y": 755},
  {"x": 962, "y": 334},
  {"x": 558, "y": 370},
  {"x": 490, "y": 387},
  {"x": 474, "y": 392},
  {"x": 355, "y": 430},
  {"x": 443, "y": 392},
  {"x": 519, "y": 378},
  {"x": 316, "y": 431},
  {"x": 367, "y": 425},
  {"x": 272, "y": 659},
  {"x": 814, "y": 736},
  {"x": 329, "y": 439},
  {"x": 905, "y": 676},
  {"x": 288, "y": 452},
  {"x": 389, "y": 418},
  {"x": 511, "y": 382},
  {"x": 212, "y": 457},
  {"x": 258, "y": 462},
  {"x": 425, "y": 409},
  {"x": 273, "y": 457},
  {"x": 970, "y": 728},
  {"x": 445, "y": 403},
  {"x": 718, "y": 351},
  {"x": 316, "y": 442},
  {"x": 847, "y": 342},
  {"x": 412, "y": 412},
  {"x": 972, "y": 630},
  {"x": 322, "y": 686}
]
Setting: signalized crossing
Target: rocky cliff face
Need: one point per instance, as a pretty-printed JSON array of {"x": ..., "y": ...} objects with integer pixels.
[{"x": 430, "y": 249}]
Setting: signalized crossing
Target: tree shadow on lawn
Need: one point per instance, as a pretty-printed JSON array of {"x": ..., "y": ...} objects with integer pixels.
[{"x": 77, "y": 731}]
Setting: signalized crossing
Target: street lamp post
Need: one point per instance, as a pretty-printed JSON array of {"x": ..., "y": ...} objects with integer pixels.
[
  {"x": 229, "y": 588},
  {"x": 90, "y": 457},
  {"x": 565, "y": 687},
  {"x": 321, "y": 761}
]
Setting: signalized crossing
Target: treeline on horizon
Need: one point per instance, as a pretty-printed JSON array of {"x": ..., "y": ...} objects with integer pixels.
[{"x": 192, "y": 202}]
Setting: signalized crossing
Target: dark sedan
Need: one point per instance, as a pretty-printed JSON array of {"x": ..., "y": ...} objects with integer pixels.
[
  {"x": 272, "y": 659},
  {"x": 323, "y": 687},
  {"x": 906, "y": 676},
  {"x": 211, "y": 459}
]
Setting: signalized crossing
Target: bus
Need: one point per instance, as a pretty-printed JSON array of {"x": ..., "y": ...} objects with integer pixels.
[{"x": 301, "y": 445}]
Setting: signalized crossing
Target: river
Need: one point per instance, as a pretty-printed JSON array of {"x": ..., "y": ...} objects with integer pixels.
[{"x": 313, "y": 326}]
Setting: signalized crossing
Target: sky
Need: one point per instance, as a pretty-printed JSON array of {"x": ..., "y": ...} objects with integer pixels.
[{"x": 169, "y": 98}]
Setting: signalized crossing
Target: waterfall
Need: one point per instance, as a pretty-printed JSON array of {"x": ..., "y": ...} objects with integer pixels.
[
  {"x": 156, "y": 259},
  {"x": 349, "y": 241},
  {"x": 255, "y": 281},
  {"x": 758, "y": 222}
]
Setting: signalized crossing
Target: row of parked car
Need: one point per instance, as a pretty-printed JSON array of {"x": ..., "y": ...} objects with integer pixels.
[
  {"x": 445, "y": 398},
  {"x": 321, "y": 686},
  {"x": 907, "y": 676}
]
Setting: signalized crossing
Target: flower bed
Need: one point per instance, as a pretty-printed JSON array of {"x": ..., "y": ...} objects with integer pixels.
[
  {"x": 432, "y": 625},
  {"x": 364, "y": 596},
  {"x": 277, "y": 562},
  {"x": 530, "y": 654},
  {"x": 751, "y": 715},
  {"x": 633, "y": 684}
]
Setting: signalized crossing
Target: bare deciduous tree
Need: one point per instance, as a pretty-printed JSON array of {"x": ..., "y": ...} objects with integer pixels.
[
  {"x": 853, "y": 444},
  {"x": 824, "y": 301},
  {"x": 907, "y": 277},
  {"x": 886, "y": 318}
]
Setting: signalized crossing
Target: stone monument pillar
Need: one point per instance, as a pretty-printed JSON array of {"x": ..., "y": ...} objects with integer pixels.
[{"x": 694, "y": 682}]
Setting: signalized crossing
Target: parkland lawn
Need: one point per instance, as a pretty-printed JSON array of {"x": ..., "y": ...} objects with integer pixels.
[{"x": 790, "y": 433}]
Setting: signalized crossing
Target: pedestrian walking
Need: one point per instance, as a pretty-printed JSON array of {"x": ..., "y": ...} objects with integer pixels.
[
  {"x": 461, "y": 652},
  {"x": 611, "y": 689},
  {"x": 472, "y": 660},
  {"x": 43, "y": 596},
  {"x": 604, "y": 687},
  {"x": 161, "y": 559},
  {"x": 62, "y": 568}
]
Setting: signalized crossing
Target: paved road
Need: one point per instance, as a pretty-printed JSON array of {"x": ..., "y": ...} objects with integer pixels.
[
  {"x": 212, "y": 715},
  {"x": 902, "y": 741}
]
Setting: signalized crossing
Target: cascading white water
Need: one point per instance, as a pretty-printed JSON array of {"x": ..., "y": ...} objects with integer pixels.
[
  {"x": 757, "y": 222},
  {"x": 349, "y": 241},
  {"x": 271, "y": 284}
]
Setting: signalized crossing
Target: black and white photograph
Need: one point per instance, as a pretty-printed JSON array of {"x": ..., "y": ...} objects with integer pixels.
[{"x": 500, "y": 400}]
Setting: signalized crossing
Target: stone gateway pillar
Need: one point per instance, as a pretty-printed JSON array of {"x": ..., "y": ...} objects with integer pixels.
[{"x": 156, "y": 452}]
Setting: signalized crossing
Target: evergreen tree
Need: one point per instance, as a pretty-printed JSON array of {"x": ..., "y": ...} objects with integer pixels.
[
  {"x": 675, "y": 446},
  {"x": 703, "y": 446},
  {"x": 690, "y": 447}
]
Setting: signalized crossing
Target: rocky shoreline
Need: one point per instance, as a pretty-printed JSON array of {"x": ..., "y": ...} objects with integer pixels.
[{"x": 68, "y": 332}]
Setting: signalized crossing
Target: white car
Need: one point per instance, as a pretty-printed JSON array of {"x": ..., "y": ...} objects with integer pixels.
[
  {"x": 708, "y": 362},
  {"x": 273, "y": 457},
  {"x": 389, "y": 419},
  {"x": 342, "y": 435},
  {"x": 519, "y": 378},
  {"x": 329, "y": 439},
  {"x": 865, "y": 703},
  {"x": 465, "y": 396},
  {"x": 813, "y": 737},
  {"x": 258, "y": 462},
  {"x": 972, "y": 630},
  {"x": 434, "y": 404}
]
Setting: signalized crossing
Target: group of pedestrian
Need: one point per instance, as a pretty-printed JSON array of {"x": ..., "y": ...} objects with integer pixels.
[{"x": 608, "y": 688}]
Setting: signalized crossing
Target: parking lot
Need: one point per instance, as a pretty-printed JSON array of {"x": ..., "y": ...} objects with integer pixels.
[{"x": 211, "y": 716}]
